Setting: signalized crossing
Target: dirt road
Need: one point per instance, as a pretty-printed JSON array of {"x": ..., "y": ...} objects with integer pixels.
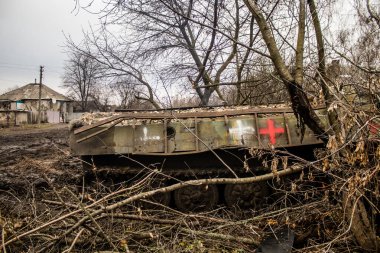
[
  {"x": 40, "y": 182},
  {"x": 28, "y": 157}
]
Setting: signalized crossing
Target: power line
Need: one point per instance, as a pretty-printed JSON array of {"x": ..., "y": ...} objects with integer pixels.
[
  {"x": 17, "y": 64},
  {"x": 9, "y": 80},
  {"x": 49, "y": 70},
  {"x": 18, "y": 68}
]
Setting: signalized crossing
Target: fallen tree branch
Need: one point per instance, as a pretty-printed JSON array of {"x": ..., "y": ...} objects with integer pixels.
[
  {"x": 141, "y": 218},
  {"x": 288, "y": 171},
  {"x": 222, "y": 236},
  {"x": 186, "y": 215},
  {"x": 74, "y": 241},
  {"x": 90, "y": 216}
]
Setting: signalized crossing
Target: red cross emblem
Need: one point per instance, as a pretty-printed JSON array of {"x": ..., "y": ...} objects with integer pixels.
[
  {"x": 374, "y": 128},
  {"x": 271, "y": 130}
]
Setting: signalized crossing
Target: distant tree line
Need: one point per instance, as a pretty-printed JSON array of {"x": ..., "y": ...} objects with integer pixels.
[
  {"x": 218, "y": 52},
  {"x": 169, "y": 53}
]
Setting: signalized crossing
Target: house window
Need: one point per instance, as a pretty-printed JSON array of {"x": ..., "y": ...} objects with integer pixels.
[{"x": 20, "y": 105}]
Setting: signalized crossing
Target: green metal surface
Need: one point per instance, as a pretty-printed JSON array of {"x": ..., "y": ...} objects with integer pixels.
[{"x": 168, "y": 135}]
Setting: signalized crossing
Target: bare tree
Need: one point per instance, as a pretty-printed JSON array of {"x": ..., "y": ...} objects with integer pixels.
[
  {"x": 373, "y": 14},
  {"x": 207, "y": 42},
  {"x": 293, "y": 80},
  {"x": 124, "y": 91},
  {"x": 81, "y": 76},
  {"x": 102, "y": 98},
  {"x": 196, "y": 44},
  {"x": 129, "y": 94},
  {"x": 117, "y": 61},
  {"x": 358, "y": 48}
]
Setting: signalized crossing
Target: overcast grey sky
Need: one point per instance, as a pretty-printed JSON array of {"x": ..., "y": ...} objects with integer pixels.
[{"x": 31, "y": 34}]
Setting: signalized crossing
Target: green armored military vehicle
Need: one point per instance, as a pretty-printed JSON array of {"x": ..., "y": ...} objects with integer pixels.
[{"x": 194, "y": 143}]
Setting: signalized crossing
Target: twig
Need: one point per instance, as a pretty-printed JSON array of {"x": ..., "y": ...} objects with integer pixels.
[
  {"x": 209, "y": 148},
  {"x": 74, "y": 242},
  {"x": 58, "y": 203},
  {"x": 288, "y": 171},
  {"x": 66, "y": 205},
  {"x": 186, "y": 215},
  {"x": 90, "y": 216},
  {"x": 273, "y": 213},
  {"x": 170, "y": 188},
  {"x": 140, "y": 218},
  {"x": 222, "y": 236},
  {"x": 3, "y": 239}
]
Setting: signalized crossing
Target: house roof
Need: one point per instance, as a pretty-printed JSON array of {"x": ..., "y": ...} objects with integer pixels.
[{"x": 31, "y": 91}]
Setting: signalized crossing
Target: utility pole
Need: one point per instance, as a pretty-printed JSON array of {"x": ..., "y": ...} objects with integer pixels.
[{"x": 39, "y": 96}]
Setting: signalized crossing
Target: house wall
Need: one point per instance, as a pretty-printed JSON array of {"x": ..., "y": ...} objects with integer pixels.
[
  {"x": 22, "y": 117},
  {"x": 51, "y": 111},
  {"x": 5, "y": 119},
  {"x": 48, "y": 105},
  {"x": 7, "y": 105},
  {"x": 32, "y": 105},
  {"x": 26, "y": 111},
  {"x": 14, "y": 118},
  {"x": 33, "y": 119},
  {"x": 17, "y": 117}
]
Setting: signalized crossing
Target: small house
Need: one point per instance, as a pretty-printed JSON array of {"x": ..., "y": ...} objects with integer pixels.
[{"x": 20, "y": 106}]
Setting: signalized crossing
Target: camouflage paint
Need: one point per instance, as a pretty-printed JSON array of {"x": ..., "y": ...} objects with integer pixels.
[{"x": 192, "y": 135}]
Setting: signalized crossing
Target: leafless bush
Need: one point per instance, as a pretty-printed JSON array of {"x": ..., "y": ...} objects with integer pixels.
[{"x": 317, "y": 204}]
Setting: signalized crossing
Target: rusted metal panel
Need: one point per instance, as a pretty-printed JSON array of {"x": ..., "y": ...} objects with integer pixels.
[
  {"x": 181, "y": 136},
  {"x": 241, "y": 131},
  {"x": 101, "y": 143},
  {"x": 148, "y": 138},
  {"x": 212, "y": 133},
  {"x": 122, "y": 140},
  {"x": 184, "y": 115},
  {"x": 161, "y": 135}
]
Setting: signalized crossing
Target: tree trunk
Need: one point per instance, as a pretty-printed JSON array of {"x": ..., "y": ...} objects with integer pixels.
[
  {"x": 359, "y": 222},
  {"x": 304, "y": 112},
  {"x": 332, "y": 114},
  {"x": 205, "y": 97},
  {"x": 300, "y": 103}
]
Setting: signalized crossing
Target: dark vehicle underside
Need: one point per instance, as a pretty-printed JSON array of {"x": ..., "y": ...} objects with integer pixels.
[{"x": 184, "y": 144}]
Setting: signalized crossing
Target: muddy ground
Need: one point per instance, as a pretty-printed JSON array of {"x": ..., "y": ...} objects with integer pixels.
[
  {"x": 31, "y": 159},
  {"x": 40, "y": 181}
]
